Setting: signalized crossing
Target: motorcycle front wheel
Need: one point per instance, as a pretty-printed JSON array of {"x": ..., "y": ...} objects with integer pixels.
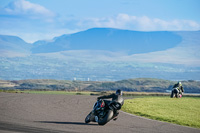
[
  {"x": 172, "y": 94},
  {"x": 87, "y": 119}
]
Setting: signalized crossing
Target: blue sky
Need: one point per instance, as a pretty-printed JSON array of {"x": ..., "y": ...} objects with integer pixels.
[{"x": 34, "y": 20}]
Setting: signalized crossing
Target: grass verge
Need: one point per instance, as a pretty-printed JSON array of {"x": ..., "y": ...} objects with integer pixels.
[
  {"x": 183, "y": 111},
  {"x": 58, "y": 92}
]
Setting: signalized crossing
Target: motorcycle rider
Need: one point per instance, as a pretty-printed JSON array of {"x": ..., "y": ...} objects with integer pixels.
[
  {"x": 115, "y": 97},
  {"x": 179, "y": 87}
]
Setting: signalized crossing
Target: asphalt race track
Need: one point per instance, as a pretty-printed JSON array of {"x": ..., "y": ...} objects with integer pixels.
[{"x": 44, "y": 113}]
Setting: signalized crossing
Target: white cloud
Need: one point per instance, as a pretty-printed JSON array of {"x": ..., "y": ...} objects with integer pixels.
[
  {"x": 31, "y": 10},
  {"x": 32, "y": 22},
  {"x": 143, "y": 23}
]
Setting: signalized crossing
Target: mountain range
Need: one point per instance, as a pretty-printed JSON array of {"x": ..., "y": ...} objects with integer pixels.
[
  {"x": 103, "y": 54},
  {"x": 132, "y": 42}
]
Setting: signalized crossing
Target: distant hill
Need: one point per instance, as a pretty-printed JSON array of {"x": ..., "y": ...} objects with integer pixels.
[
  {"x": 115, "y": 40},
  {"x": 103, "y": 54},
  {"x": 145, "y": 85},
  {"x": 14, "y": 44},
  {"x": 187, "y": 52},
  {"x": 131, "y": 85}
]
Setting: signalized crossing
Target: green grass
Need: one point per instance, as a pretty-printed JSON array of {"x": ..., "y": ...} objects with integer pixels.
[
  {"x": 182, "y": 111},
  {"x": 58, "y": 92}
]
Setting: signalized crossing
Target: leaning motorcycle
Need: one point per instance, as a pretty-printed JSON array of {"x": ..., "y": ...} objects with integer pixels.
[
  {"x": 175, "y": 93},
  {"x": 103, "y": 112}
]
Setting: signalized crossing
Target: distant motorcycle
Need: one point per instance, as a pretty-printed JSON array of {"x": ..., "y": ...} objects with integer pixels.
[
  {"x": 102, "y": 113},
  {"x": 175, "y": 93}
]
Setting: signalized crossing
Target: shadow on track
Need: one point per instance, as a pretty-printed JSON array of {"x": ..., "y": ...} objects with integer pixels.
[
  {"x": 72, "y": 123},
  {"x": 11, "y": 127}
]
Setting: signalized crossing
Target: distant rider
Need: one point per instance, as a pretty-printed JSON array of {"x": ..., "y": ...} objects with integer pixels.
[
  {"x": 179, "y": 87},
  {"x": 115, "y": 97}
]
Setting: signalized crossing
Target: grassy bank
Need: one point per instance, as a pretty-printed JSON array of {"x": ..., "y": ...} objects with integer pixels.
[
  {"x": 49, "y": 92},
  {"x": 183, "y": 111}
]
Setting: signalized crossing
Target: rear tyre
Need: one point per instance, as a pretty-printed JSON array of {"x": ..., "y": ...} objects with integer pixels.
[{"x": 107, "y": 118}]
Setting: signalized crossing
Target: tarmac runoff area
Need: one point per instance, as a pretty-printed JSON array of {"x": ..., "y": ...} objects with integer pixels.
[{"x": 44, "y": 113}]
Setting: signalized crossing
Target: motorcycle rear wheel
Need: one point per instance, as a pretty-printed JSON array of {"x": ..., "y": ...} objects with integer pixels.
[{"x": 106, "y": 118}]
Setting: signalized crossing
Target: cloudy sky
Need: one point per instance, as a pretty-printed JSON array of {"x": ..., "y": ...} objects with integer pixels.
[{"x": 34, "y": 20}]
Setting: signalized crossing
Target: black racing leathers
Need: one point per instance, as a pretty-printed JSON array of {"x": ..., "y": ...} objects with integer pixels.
[
  {"x": 115, "y": 97},
  {"x": 179, "y": 87}
]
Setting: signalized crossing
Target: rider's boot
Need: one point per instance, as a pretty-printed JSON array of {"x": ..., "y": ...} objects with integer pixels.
[{"x": 115, "y": 117}]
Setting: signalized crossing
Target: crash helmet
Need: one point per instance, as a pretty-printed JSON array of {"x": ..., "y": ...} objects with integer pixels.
[
  {"x": 119, "y": 92},
  {"x": 179, "y": 83}
]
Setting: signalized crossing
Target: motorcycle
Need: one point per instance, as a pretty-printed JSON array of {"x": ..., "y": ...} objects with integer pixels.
[
  {"x": 175, "y": 93},
  {"x": 103, "y": 111}
]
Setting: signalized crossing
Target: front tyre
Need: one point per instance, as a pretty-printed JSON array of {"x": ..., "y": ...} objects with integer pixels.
[
  {"x": 172, "y": 94},
  {"x": 176, "y": 93},
  {"x": 106, "y": 118},
  {"x": 87, "y": 119}
]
